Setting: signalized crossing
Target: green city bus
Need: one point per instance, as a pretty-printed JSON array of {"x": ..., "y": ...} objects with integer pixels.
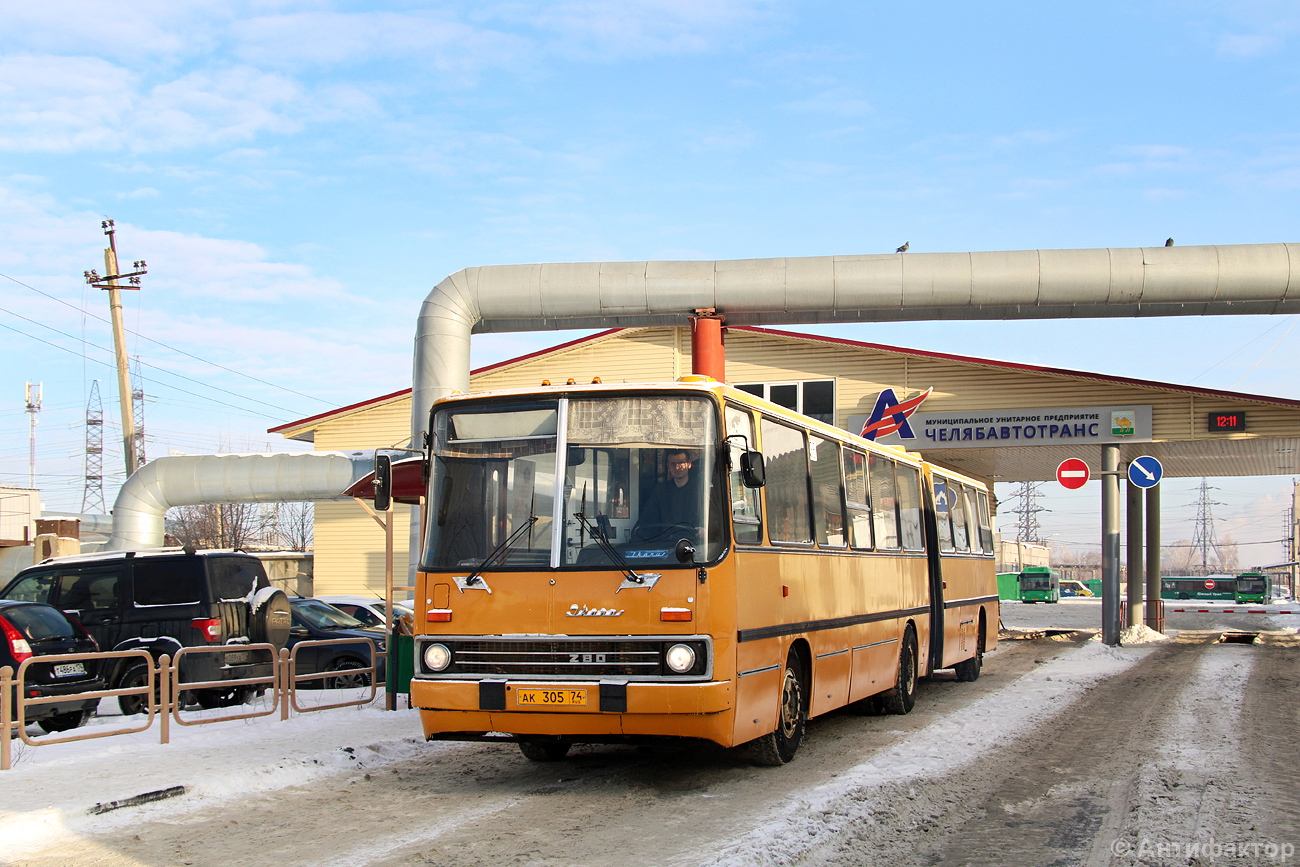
[
  {"x": 1039, "y": 584},
  {"x": 1254, "y": 587},
  {"x": 1199, "y": 587}
]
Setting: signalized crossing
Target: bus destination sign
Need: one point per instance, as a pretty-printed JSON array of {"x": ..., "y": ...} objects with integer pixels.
[{"x": 1234, "y": 422}]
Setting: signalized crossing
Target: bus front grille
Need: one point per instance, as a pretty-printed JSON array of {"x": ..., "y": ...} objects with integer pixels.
[{"x": 565, "y": 659}]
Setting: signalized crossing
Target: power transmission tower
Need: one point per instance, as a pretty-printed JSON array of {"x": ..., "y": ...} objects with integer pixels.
[
  {"x": 33, "y": 407},
  {"x": 1028, "y": 509},
  {"x": 110, "y": 282},
  {"x": 1203, "y": 536},
  {"x": 137, "y": 407},
  {"x": 93, "y": 495}
]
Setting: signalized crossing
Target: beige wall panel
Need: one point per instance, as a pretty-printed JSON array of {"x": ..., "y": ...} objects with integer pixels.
[
  {"x": 640, "y": 357},
  {"x": 383, "y": 425},
  {"x": 350, "y": 550}
]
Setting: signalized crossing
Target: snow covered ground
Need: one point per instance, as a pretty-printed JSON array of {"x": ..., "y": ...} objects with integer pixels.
[
  {"x": 50, "y": 789},
  {"x": 47, "y": 798}
]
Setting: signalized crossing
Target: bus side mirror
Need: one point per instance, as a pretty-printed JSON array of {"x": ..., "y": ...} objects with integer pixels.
[
  {"x": 752, "y": 473},
  {"x": 685, "y": 551},
  {"x": 383, "y": 482}
]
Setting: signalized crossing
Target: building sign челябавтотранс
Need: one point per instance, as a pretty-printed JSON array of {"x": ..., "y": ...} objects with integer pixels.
[{"x": 1015, "y": 427}]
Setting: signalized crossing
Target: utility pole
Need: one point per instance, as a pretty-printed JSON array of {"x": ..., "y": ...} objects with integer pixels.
[
  {"x": 93, "y": 495},
  {"x": 1028, "y": 510},
  {"x": 33, "y": 407},
  {"x": 1203, "y": 536},
  {"x": 110, "y": 283}
]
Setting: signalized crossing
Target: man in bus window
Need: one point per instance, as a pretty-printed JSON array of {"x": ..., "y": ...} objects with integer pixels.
[{"x": 674, "y": 502}]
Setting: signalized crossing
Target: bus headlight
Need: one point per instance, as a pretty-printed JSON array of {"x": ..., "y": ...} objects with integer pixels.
[
  {"x": 436, "y": 657},
  {"x": 680, "y": 658}
]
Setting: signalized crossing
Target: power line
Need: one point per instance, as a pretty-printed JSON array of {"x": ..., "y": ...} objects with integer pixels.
[
  {"x": 166, "y": 345},
  {"x": 161, "y": 370},
  {"x": 202, "y": 397}
]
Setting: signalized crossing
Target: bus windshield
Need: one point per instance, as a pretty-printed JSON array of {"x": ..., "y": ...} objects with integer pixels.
[{"x": 601, "y": 483}]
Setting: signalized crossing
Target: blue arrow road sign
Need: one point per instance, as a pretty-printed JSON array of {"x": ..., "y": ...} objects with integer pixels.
[{"x": 1145, "y": 472}]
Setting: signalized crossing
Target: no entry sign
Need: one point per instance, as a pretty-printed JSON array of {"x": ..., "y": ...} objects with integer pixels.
[
  {"x": 1072, "y": 473},
  {"x": 1209, "y": 583}
]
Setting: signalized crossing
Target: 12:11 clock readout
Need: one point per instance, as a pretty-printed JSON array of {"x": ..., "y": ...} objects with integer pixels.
[{"x": 1229, "y": 421}]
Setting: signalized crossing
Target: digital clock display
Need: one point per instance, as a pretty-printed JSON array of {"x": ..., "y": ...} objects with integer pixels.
[{"x": 1227, "y": 421}]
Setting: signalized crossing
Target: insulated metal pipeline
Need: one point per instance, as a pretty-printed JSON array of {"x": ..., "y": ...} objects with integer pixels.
[
  {"x": 1024, "y": 284},
  {"x": 187, "y": 480}
]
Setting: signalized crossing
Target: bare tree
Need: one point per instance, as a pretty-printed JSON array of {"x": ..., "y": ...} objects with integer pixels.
[
  {"x": 1177, "y": 559},
  {"x": 217, "y": 525},
  {"x": 1227, "y": 554},
  {"x": 295, "y": 525}
]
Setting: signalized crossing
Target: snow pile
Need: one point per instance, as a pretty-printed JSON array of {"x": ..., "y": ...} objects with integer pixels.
[{"x": 1137, "y": 635}]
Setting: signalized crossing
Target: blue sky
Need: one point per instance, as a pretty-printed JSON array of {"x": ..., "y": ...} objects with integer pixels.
[{"x": 299, "y": 174}]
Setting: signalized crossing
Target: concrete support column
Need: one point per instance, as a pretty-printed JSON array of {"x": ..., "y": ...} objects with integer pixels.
[
  {"x": 1135, "y": 533},
  {"x": 1110, "y": 627},
  {"x": 1153, "y": 618}
]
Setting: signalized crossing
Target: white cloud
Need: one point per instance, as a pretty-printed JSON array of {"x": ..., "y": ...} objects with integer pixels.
[
  {"x": 326, "y": 39},
  {"x": 1248, "y": 45},
  {"x": 842, "y": 101},
  {"x": 68, "y": 104},
  {"x": 646, "y": 27}
]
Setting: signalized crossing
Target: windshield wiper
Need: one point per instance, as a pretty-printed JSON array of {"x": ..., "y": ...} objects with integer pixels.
[
  {"x": 500, "y": 549},
  {"x": 610, "y": 551}
]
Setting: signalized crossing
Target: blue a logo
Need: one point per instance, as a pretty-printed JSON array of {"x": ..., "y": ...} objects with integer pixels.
[{"x": 890, "y": 416}]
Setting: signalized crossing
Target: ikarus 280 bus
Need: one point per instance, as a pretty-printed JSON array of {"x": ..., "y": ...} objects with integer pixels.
[{"x": 609, "y": 563}]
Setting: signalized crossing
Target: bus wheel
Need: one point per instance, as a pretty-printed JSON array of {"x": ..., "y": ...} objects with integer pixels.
[
  {"x": 544, "y": 751},
  {"x": 902, "y": 698},
  {"x": 778, "y": 747},
  {"x": 969, "y": 669}
]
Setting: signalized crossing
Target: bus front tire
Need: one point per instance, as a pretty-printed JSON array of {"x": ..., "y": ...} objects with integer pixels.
[
  {"x": 969, "y": 669},
  {"x": 778, "y": 747},
  {"x": 902, "y": 698},
  {"x": 544, "y": 751}
]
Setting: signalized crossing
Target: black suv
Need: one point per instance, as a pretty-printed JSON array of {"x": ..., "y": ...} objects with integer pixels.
[{"x": 161, "y": 601}]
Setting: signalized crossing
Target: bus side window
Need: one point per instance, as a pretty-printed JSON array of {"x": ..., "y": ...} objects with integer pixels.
[
  {"x": 786, "y": 458},
  {"x": 828, "y": 513},
  {"x": 885, "y": 501},
  {"x": 858, "y": 499},
  {"x": 986, "y": 523},
  {"x": 746, "y": 524},
  {"x": 972, "y": 520},
  {"x": 909, "y": 508},
  {"x": 943, "y": 490},
  {"x": 957, "y": 508}
]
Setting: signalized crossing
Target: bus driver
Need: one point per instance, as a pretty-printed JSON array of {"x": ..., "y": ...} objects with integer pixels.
[{"x": 675, "y": 502}]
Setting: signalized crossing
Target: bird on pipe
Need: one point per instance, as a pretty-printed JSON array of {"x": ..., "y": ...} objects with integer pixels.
[{"x": 904, "y": 248}]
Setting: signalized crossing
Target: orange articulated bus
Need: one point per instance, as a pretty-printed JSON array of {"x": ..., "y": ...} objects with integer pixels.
[{"x": 609, "y": 563}]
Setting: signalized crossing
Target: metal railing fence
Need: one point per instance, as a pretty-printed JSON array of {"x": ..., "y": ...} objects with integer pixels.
[{"x": 163, "y": 685}]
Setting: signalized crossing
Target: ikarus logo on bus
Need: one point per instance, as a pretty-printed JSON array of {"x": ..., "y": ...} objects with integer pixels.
[{"x": 583, "y": 611}]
